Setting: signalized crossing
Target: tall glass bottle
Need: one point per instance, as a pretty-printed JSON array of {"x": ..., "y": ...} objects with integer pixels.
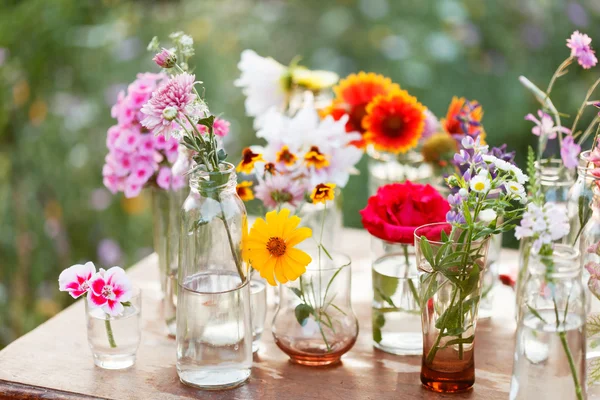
[
  {"x": 549, "y": 360},
  {"x": 580, "y": 196},
  {"x": 385, "y": 168},
  {"x": 214, "y": 330}
]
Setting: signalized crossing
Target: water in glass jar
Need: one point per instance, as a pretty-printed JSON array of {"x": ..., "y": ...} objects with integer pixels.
[
  {"x": 258, "y": 306},
  {"x": 214, "y": 332},
  {"x": 542, "y": 369},
  {"x": 126, "y": 334},
  {"x": 395, "y": 309}
]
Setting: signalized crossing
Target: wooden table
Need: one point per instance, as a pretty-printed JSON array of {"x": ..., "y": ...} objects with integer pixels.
[{"x": 54, "y": 361}]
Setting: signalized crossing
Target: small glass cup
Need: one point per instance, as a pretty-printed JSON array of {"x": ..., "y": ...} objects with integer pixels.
[
  {"x": 258, "y": 309},
  {"x": 114, "y": 340},
  {"x": 396, "y": 312}
]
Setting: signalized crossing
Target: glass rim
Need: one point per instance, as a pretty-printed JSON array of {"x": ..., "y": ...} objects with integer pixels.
[
  {"x": 436, "y": 242},
  {"x": 346, "y": 263},
  {"x": 566, "y": 253},
  {"x": 245, "y": 282}
]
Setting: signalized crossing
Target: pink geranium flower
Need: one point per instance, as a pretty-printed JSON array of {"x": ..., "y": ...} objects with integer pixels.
[
  {"x": 221, "y": 127},
  {"x": 109, "y": 289},
  {"x": 175, "y": 96},
  {"x": 580, "y": 45},
  {"x": 76, "y": 279}
]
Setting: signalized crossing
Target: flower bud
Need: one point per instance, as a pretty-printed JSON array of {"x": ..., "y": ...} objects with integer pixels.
[
  {"x": 170, "y": 113},
  {"x": 165, "y": 59},
  {"x": 452, "y": 181}
]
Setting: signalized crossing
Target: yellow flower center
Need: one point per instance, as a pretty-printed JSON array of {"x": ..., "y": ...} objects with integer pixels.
[
  {"x": 516, "y": 189},
  {"x": 276, "y": 246},
  {"x": 479, "y": 186}
]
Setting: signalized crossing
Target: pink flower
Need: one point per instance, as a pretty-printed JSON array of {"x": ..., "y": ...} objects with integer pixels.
[
  {"x": 595, "y": 157},
  {"x": 142, "y": 171},
  {"x": 112, "y": 135},
  {"x": 120, "y": 163},
  {"x": 177, "y": 182},
  {"x": 221, "y": 127},
  {"x": 569, "y": 152},
  {"x": 432, "y": 125},
  {"x": 594, "y": 249},
  {"x": 146, "y": 145},
  {"x": 163, "y": 180},
  {"x": 545, "y": 125},
  {"x": 580, "y": 45},
  {"x": 109, "y": 289},
  {"x": 127, "y": 140},
  {"x": 132, "y": 187},
  {"x": 165, "y": 59},
  {"x": 173, "y": 96},
  {"x": 160, "y": 142},
  {"x": 594, "y": 281},
  {"x": 279, "y": 189},
  {"x": 76, "y": 279},
  {"x": 172, "y": 150}
]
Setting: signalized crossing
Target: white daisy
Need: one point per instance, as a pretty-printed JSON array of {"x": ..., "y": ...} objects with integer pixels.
[
  {"x": 499, "y": 163},
  {"x": 480, "y": 184},
  {"x": 515, "y": 188},
  {"x": 487, "y": 215}
]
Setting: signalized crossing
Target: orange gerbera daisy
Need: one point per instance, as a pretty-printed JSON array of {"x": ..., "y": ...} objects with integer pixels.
[
  {"x": 394, "y": 122},
  {"x": 352, "y": 96},
  {"x": 461, "y": 108}
]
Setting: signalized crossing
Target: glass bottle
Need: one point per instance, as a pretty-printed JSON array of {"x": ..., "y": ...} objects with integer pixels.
[
  {"x": 312, "y": 216},
  {"x": 550, "y": 347},
  {"x": 490, "y": 278},
  {"x": 580, "y": 196},
  {"x": 314, "y": 323},
  {"x": 214, "y": 329}
]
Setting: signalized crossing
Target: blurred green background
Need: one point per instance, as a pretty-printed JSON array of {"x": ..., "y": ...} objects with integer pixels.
[{"x": 62, "y": 63}]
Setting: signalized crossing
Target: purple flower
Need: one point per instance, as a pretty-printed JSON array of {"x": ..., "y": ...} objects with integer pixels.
[
  {"x": 545, "y": 125},
  {"x": 502, "y": 154},
  {"x": 462, "y": 157},
  {"x": 453, "y": 217},
  {"x": 580, "y": 45},
  {"x": 569, "y": 152},
  {"x": 467, "y": 175}
]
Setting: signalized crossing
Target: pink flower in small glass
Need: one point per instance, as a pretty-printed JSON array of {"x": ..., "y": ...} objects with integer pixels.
[
  {"x": 594, "y": 282},
  {"x": 580, "y": 45},
  {"x": 109, "y": 289},
  {"x": 76, "y": 279},
  {"x": 165, "y": 59},
  {"x": 168, "y": 103},
  {"x": 221, "y": 127},
  {"x": 569, "y": 152},
  {"x": 545, "y": 125}
]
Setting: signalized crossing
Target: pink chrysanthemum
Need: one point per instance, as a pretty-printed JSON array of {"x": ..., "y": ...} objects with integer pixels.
[
  {"x": 580, "y": 45},
  {"x": 174, "y": 95},
  {"x": 279, "y": 189}
]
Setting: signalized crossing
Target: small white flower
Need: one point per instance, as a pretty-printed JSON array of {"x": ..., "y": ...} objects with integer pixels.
[
  {"x": 499, "y": 163},
  {"x": 464, "y": 193},
  {"x": 515, "y": 188},
  {"x": 480, "y": 184},
  {"x": 487, "y": 215},
  {"x": 518, "y": 174}
]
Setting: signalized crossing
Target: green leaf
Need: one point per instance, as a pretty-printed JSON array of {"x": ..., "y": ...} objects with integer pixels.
[
  {"x": 326, "y": 252},
  {"x": 385, "y": 297},
  {"x": 593, "y": 325},
  {"x": 453, "y": 342},
  {"x": 444, "y": 236},
  {"x": 585, "y": 211},
  {"x": 126, "y": 303},
  {"x": 384, "y": 287},
  {"x": 221, "y": 155},
  {"x": 593, "y": 371},
  {"x": 303, "y": 311},
  {"x": 430, "y": 285},
  {"x": 469, "y": 285},
  {"x": 297, "y": 292},
  {"x": 427, "y": 251},
  {"x": 536, "y": 314},
  {"x": 378, "y": 323},
  {"x": 207, "y": 122}
]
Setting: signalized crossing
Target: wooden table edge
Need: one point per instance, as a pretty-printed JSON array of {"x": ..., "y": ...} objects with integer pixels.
[{"x": 14, "y": 390}]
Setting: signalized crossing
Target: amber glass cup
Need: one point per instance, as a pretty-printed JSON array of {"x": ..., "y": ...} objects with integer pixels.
[{"x": 450, "y": 292}]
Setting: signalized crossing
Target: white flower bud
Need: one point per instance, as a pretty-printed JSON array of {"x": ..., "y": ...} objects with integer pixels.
[{"x": 170, "y": 113}]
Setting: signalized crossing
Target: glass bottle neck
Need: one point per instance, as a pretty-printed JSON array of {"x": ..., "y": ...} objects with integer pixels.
[{"x": 214, "y": 183}]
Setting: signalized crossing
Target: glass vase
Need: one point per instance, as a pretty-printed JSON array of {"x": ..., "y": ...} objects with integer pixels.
[
  {"x": 166, "y": 224},
  {"x": 258, "y": 308},
  {"x": 450, "y": 276},
  {"x": 522, "y": 274},
  {"x": 490, "y": 278},
  {"x": 395, "y": 311},
  {"x": 580, "y": 197},
  {"x": 214, "y": 328},
  {"x": 314, "y": 323},
  {"x": 549, "y": 361},
  {"x": 312, "y": 216},
  {"x": 385, "y": 168},
  {"x": 114, "y": 340}
]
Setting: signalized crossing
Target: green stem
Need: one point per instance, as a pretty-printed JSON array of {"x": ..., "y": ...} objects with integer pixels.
[
  {"x": 238, "y": 264},
  {"x": 411, "y": 284},
  {"x": 584, "y": 104},
  {"x": 109, "y": 332},
  {"x": 578, "y": 391},
  {"x": 432, "y": 352}
]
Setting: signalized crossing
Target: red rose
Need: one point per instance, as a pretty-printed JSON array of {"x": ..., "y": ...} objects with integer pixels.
[{"x": 398, "y": 209}]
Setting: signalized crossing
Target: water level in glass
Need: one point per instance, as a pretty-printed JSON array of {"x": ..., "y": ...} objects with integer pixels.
[
  {"x": 126, "y": 334},
  {"x": 214, "y": 338},
  {"x": 397, "y": 317},
  {"x": 541, "y": 369},
  {"x": 258, "y": 307},
  {"x": 170, "y": 303}
]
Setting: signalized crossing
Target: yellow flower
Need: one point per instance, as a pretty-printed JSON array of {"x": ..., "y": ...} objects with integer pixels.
[
  {"x": 314, "y": 80},
  {"x": 248, "y": 159},
  {"x": 322, "y": 193},
  {"x": 243, "y": 190},
  {"x": 269, "y": 247},
  {"x": 314, "y": 158},
  {"x": 286, "y": 156}
]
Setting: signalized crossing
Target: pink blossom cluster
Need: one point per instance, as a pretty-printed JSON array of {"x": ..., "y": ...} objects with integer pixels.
[
  {"x": 105, "y": 289},
  {"x": 135, "y": 156},
  {"x": 581, "y": 48}
]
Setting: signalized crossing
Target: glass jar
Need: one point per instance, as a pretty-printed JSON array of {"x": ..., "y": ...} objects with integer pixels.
[
  {"x": 395, "y": 311},
  {"x": 550, "y": 350},
  {"x": 314, "y": 323},
  {"x": 166, "y": 223},
  {"x": 385, "y": 168},
  {"x": 555, "y": 180},
  {"x": 312, "y": 216},
  {"x": 450, "y": 276},
  {"x": 580, "y": 197},
  {"x": 522, "y": 274},
  {"x": 490, "y": 278},
  {"x": 114, "y": 340},
  {"x": 214, "y": 329},
  {"x": 258, "y": 308}
]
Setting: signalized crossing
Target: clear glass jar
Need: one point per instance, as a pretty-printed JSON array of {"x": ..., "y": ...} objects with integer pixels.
[
  {"x": 395, "y": 310},
  {"x": 448, "y": 363},
  {"x": 114, "y": 340},
  {"x": 522, "y": 274},
  {"x": 490, "y": 278},
  {"x": 555, "y": 180},
  {"x": 312, "y": 216},
  {"x": 258, "y": 308},
  {"x": 550, "y": 350},
  {"x": 214, "y": 329},
  {"x": 314, "y": 323},
  {"x": 580, "y": 196},
  {"x": 166, "y": 223},
  {"x": 385, "y": 168}
]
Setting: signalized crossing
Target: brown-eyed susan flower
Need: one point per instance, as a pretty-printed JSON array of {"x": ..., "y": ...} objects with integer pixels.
[
  {"x": 464, "y": 118},
  {"x": 249, "y": 158},
  {"x": 314, "y": 158},
  {"x": 270, "y": 247},
  {"x": 244, "y": 192},
  {"x": 352, "y": 96},
  {"x": 270, "y": 169},
  {"x": 394, "y": 122},
  {"x": 286, "y": 157},
  {"x": 323, "y": 192}
]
